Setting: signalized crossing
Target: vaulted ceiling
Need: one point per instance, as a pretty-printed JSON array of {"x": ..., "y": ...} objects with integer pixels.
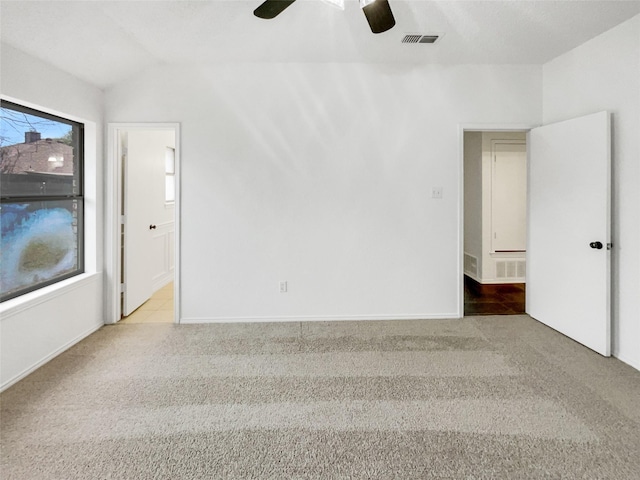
[{"x": 104, "y": 42}]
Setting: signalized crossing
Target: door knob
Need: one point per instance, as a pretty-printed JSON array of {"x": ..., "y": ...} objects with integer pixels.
[
  {"x": 153, "y": 227},
  {"x": 596, "y": 245}
]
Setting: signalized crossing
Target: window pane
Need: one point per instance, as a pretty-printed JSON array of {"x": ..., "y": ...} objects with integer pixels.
[
  {"x": 169, "y": 188},
  {"x": 39, "y": 153},
  {"x": 39, "y": 244},
  {"x": 170, "y": 161}
]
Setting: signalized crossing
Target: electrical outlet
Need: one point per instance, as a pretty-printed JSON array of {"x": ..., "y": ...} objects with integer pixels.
[
  {"x": 436, "y": 192},
  {"x": 283, "y": 287}
]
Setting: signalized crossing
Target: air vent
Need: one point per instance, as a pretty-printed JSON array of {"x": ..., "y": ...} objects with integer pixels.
[
  {"x": 420, "y": 38},
  {"x": 513, "y": 269},
  {"x": 470, "y": 265},
  {"x": 411, "y": 38}
]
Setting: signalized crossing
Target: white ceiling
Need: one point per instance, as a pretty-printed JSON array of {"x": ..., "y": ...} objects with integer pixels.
[{"x": 104, "y": 42}]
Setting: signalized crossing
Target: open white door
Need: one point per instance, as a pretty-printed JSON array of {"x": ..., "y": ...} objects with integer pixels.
[
  {"x": 568, "y": 272},
  {"x": 144, "y": 198}
]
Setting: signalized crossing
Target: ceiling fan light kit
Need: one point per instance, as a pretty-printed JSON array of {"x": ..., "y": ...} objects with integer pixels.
[{"x": 378, "y": 12}]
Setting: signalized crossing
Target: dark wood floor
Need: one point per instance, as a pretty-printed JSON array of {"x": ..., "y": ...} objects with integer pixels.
[{"x": 502, "y": 299}]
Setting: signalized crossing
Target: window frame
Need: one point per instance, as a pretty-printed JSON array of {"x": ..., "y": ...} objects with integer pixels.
[
  {"x": 78, "y": 197},
  {"x": 170, "y": 176}
]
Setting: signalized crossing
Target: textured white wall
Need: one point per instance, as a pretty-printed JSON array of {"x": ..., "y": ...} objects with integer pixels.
[
  {"x": 321, "y": 175},
  {"x": 473, "y": 197},
  {"x": 604, "y": 74},
  {"x": 39, "y": 325}
]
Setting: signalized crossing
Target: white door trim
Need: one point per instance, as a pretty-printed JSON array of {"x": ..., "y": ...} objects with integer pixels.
[
  {"x": 474, "y": 127},
  {"x": 113, "y": 207}
]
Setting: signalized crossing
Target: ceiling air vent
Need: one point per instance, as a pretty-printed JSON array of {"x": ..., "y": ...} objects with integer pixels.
[{"x": 420, "y": 38}]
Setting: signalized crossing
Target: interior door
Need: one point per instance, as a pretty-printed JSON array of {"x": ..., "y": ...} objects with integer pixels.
[
  {"x": 568, "y": 257},
  {"x": 143, "y": 195}
]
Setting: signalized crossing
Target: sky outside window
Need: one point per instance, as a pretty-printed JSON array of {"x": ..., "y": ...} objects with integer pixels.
[{"x": 14, "y": 125}]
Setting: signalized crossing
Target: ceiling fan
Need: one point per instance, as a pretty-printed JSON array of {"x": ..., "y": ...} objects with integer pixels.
[{"x": 378, "y": 12}]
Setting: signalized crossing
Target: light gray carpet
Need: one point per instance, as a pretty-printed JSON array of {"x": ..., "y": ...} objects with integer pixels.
[{"x": 483, "y": 397}]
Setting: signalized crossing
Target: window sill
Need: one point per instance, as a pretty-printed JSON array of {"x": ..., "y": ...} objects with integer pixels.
[{"x": 29, "y": 300}]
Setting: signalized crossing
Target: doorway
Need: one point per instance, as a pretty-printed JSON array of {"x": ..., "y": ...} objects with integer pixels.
[
  {"x": 495, "y": 207},
  {"x": 568, "y": 225},
  {"x": 144, "y": 261}
]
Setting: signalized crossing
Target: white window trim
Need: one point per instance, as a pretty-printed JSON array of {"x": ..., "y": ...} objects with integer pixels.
[{"x": 90, "y": 194}]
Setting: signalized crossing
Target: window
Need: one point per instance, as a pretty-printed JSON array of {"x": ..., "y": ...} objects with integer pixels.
[
  {"x": 41, "y": 199},
  {"x": 170, "y": 175}
]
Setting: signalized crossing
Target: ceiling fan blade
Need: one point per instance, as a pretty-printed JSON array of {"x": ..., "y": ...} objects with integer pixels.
[
  {"x": 272, "y": 8},
  {"x": 379, "y": 16}
]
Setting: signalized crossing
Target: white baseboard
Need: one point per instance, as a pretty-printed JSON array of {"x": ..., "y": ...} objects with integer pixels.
[
  {"x": 501, "y": 281},
  {"x": 162, "y": 281},
  {"x": 49, "y": 357},
  {"x": 632, "y": 363},
  {"x": 317, "y": 318},
  {"x": 472, "y": 277},
  {"x": 493, "y": 281}
]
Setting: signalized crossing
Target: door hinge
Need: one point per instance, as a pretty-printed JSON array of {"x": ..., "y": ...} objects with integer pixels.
[
  {"x": 123, "y": 287},
  {"x": 122, "y": 219}
]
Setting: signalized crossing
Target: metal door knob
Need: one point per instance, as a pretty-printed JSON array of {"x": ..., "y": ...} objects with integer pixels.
[
  {"x": 596, "y": 245},
  {"x": 153, "y": 227}
]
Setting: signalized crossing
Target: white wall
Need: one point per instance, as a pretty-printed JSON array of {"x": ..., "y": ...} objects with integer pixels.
[
  {"x": 604, "y": 74},
  {"x": 321, "y": 175},
  {"x": 473, "y": 203},
  {"x": 39, "y": 325}
]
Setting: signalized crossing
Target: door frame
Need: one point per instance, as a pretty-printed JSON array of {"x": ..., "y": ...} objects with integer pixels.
[
  {"x": 113, "y": 207},
  {"x": 475, "y": 127}
]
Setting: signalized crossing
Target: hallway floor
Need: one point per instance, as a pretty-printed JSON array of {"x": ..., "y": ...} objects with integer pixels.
[
  {"x": 158, "y": 309},
  {"x": 499, "y": 299}
]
